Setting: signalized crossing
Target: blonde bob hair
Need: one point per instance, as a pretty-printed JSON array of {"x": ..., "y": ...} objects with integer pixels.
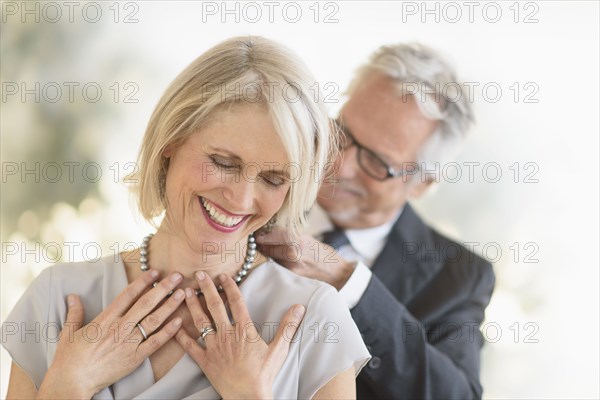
[{"x": 240, "y": 70}]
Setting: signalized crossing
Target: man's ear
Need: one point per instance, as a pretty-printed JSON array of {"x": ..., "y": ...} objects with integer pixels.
[{"x": 417, "y": 189}]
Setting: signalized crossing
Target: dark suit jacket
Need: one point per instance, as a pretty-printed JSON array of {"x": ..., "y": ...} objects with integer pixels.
[{"x": 420, "y": 316}]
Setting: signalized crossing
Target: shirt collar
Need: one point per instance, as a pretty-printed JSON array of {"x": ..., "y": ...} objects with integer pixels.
[{"x": 367, "y": 242}]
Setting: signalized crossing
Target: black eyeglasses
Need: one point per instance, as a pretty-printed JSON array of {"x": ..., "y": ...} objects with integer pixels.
[{"x": 368, "y": 160}]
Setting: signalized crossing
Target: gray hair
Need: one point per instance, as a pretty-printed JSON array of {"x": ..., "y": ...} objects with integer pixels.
[{"x": 421, "y": 71}]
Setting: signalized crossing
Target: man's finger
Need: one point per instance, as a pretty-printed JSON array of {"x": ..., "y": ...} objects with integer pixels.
[
  {"x": 282, "y": 253},
  {"x": 277, "y": 235}
]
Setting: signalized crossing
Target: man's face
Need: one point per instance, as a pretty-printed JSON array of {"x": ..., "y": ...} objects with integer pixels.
[{"x": 395, "y": 129}]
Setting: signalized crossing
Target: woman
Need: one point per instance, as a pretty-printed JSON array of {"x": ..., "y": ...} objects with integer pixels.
[{"x": 235, "y": 143}]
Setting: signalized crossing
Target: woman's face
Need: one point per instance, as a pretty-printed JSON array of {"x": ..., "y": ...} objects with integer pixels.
[{"x": 227, "y": 180}]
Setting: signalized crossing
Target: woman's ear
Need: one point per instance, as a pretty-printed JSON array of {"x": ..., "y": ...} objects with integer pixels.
[{"x": 167, "y": 151}]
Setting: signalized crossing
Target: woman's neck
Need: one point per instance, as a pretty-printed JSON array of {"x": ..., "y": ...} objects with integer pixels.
[{"x": 168, "y": 253}]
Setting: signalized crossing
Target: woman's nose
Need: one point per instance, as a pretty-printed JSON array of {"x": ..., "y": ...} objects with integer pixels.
[{"x": 240, "y": 194}]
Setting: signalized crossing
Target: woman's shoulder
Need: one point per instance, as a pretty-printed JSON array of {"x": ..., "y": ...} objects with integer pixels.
[
  {"x": 94, "y": 281},
  {"x": 278, "y": 275},
  {"x": 327, "y": 341},
  {"x": 96, "y": 265},
  {"x": 44, "y": 300},
  {"x": 80, "y": 272},
  {"x": 274, "y": 289}
]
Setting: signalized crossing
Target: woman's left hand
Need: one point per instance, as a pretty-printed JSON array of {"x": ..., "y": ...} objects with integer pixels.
[{"x": 237, "y": 362}]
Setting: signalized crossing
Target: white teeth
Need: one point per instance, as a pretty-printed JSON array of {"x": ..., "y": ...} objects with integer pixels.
[{"x": 219, "y": 218}]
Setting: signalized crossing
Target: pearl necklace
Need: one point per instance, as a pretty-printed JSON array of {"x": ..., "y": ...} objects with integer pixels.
[{"x": 239, "y": 277}]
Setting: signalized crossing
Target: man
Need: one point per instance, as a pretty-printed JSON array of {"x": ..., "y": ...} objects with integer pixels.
[{"x": 417, "y": 297}]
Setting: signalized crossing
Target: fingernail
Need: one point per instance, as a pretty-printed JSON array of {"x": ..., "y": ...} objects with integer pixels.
[
  {"x": 177, "y": 322},
  {"x": 222, "y": 278},
  {"x": 154, "y": 273},
  {"x": 71, "y": 300},
  {"x": 299, "y": 311},
  {"x": 178, "y": 294},
  {"x": 176, "y": 277},
  {"x": 189, "y": 292},
  {"x": 200, "y": 275}
]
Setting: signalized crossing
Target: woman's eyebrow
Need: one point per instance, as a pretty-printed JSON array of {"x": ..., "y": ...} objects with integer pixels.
[
  {"x": 283, "y": 174},
  {"x": 227, "y": 152}
]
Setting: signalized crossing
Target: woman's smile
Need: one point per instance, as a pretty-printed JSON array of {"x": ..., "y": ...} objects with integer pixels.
[{"x": 220, "y": 219}]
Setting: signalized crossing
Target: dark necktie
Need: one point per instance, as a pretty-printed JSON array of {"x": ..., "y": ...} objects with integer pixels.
[{"x": 335, "y": 238}]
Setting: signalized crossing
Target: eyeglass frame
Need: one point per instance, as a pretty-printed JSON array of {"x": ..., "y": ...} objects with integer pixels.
[{"x": 391, "y": 171}]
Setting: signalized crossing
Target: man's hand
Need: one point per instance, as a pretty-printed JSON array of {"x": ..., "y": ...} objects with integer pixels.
[{"x": 306, "y": 257}]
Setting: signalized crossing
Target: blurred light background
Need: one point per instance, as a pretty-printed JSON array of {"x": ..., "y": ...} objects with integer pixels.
[{"x": 80, "y": 79}]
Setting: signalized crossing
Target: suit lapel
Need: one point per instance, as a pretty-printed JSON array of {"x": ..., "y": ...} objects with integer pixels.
[{"x": 409, "y": 258}]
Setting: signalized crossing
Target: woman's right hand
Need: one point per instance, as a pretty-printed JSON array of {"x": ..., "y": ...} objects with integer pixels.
[{"x": 82, "y": 367}]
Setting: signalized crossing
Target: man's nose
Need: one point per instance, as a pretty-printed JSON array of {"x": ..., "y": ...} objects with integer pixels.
[{"x": 348, "y": 163}]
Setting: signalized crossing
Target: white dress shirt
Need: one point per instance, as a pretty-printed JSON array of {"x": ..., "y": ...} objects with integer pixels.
[{"x": 365, "y": 245}]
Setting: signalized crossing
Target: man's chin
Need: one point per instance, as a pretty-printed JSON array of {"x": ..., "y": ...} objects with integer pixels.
[{"x": 342, "y": 217}]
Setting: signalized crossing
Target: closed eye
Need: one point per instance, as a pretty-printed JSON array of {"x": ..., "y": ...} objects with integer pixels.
[
  {"x": 274, "y": 180},
  {"x": 223, "y": 163}
]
